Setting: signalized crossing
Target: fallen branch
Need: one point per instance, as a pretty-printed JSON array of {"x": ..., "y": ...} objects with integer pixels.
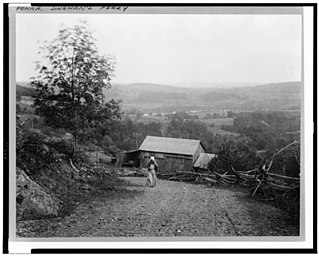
[
  {"x": 247, "y": 172},
  {"x": 278, "y": 152},
  {"x": 256, "y": 188},
  {"x": 197, "y": 173},
  {"x": 281, "y": 187},
  {"x": 210, "y": 180},
  {"x": 284, "y": 177},
  {"x": 73, "y": 166},
  {"x": 264, "y": 169}
]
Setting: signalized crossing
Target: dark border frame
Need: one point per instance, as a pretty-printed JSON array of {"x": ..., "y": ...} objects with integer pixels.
[
  {"x": 5, "y": 223},
  {"x": 154, "y": 250}
]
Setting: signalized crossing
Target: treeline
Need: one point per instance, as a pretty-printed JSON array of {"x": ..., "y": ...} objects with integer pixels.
[
  {"x": 270, "y": 131},
  {"x": 267, "y": 130},
  {"x": 128, "y": 135}
]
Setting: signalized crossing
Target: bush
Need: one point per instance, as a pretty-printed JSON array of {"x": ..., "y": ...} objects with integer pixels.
[
  {"x": 35, "y": 151},
  {"x": 61, "y": 147},
  {"x": 33, "y": 155},
  {"x": 237, "y": 153},
  {"x": 60, "y": 132},
  {"x": 47, "y": 130}
]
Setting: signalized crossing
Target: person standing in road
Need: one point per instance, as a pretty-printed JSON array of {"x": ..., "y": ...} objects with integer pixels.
[{"x": 152, "y": 168}]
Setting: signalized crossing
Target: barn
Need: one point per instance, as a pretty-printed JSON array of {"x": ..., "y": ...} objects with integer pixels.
[{"x": 171, "y": 154}]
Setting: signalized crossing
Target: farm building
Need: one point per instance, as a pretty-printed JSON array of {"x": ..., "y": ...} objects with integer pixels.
[
  {"x": 202, "y": 161},
  {"x": 171, "y": 154},
  {"x": 128, "y": 158}
]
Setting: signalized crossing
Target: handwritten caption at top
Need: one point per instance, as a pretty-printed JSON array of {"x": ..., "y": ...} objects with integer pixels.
[{"x": 73, "y": 8}]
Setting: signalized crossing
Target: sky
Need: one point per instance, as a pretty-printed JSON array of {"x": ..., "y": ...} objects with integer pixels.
[{"x": 177, "y": 48}]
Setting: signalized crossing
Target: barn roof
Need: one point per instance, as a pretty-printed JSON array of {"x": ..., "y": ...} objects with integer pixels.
[
  {"x": 170, "y": 145},
  {"x": 203, "y": 160}
]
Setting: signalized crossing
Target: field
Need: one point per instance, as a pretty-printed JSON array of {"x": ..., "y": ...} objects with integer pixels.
[
  {"x": 216, "y": 130},
  {"x": 218, "y": 122},
  {"x": 150, "y": 119}
]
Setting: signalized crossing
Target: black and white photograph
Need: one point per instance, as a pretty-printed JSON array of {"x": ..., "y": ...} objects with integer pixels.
[{"x": 157, "y": 123}]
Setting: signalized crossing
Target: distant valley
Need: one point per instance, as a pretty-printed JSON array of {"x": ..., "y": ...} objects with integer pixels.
[{"x": 158, "y": 98}]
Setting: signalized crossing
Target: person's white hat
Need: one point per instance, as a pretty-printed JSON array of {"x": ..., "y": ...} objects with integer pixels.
[{"x": 152, "y": 158}]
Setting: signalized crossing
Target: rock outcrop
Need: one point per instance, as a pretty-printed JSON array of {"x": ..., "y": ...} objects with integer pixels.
[{"x": 32, "y": 201}]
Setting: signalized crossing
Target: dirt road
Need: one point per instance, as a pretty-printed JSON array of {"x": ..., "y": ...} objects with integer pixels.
[{"x": 169, "y": 209}]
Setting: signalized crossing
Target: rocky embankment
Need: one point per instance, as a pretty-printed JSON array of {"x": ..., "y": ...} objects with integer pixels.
[
  {"x": 32, "y": 199},
  {"x": 56, "y": 190}
]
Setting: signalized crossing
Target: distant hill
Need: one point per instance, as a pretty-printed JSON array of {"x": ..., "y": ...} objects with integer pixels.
[
  {"x": 159, "y": 98},
  {"x": 149, "y": 86},
  {"x": 149, "y": 97},
  {"x": 215, "y": 84},
  {"x": 284, "y": 88},
  {"x": 25, "y": 91},
  {"x": 24, "y": 83}
]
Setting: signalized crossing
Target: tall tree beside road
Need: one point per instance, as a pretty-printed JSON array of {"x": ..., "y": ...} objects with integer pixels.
[{"x": 70, "y": 82}]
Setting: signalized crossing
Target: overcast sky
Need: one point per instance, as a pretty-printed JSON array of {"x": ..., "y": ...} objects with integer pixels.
[{"x": 172, "y": 48}]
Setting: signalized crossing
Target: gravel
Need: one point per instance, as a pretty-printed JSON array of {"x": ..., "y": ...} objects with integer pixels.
[{"x": 167, "y": 210}]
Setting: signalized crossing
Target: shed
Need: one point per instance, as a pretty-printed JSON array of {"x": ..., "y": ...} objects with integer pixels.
[
  {"x": 203, "y": 161},
  {"x": 128, "y": 158},
  {"x": 171, "y": 154}
]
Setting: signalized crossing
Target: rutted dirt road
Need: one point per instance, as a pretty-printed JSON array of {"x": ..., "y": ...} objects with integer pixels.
[{"x": 169, "y": 209}]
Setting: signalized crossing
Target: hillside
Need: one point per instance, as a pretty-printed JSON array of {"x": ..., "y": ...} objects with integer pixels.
[
  {"x": 214, "y": 85},
  {"x": 163, "y": 98},
  {"x": 148, "y": 97},
  {"x": 25, "y": 90}
]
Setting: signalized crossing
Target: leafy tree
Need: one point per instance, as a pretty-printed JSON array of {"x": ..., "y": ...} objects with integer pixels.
[
  {"x": 18, "y": 97},
  {"x": 234, "y": 152},
  {"x": 101, "y": 123},
  {"x": 230, "y": 114},
  {"x": 139, "y": 114},
  {"x": 267, "y": 130},
  {"x": 180, "y": 116},
  {"x": 208, "y": 116},
  {"x": 127, "y": 135},
  {"x": 288, "y": 162},
  {"x": 191, "y": 129},
  {"x": 216, "y": 115},
  {"x": 70, "y": 83}
]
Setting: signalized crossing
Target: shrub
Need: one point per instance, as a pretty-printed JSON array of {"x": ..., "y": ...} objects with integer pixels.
[
  {"x": 47, "y": 130},
  {"x": 33, "y": 155},
  {"x": 237, "y": 153},
  {"x": 61, "y": 147}
]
